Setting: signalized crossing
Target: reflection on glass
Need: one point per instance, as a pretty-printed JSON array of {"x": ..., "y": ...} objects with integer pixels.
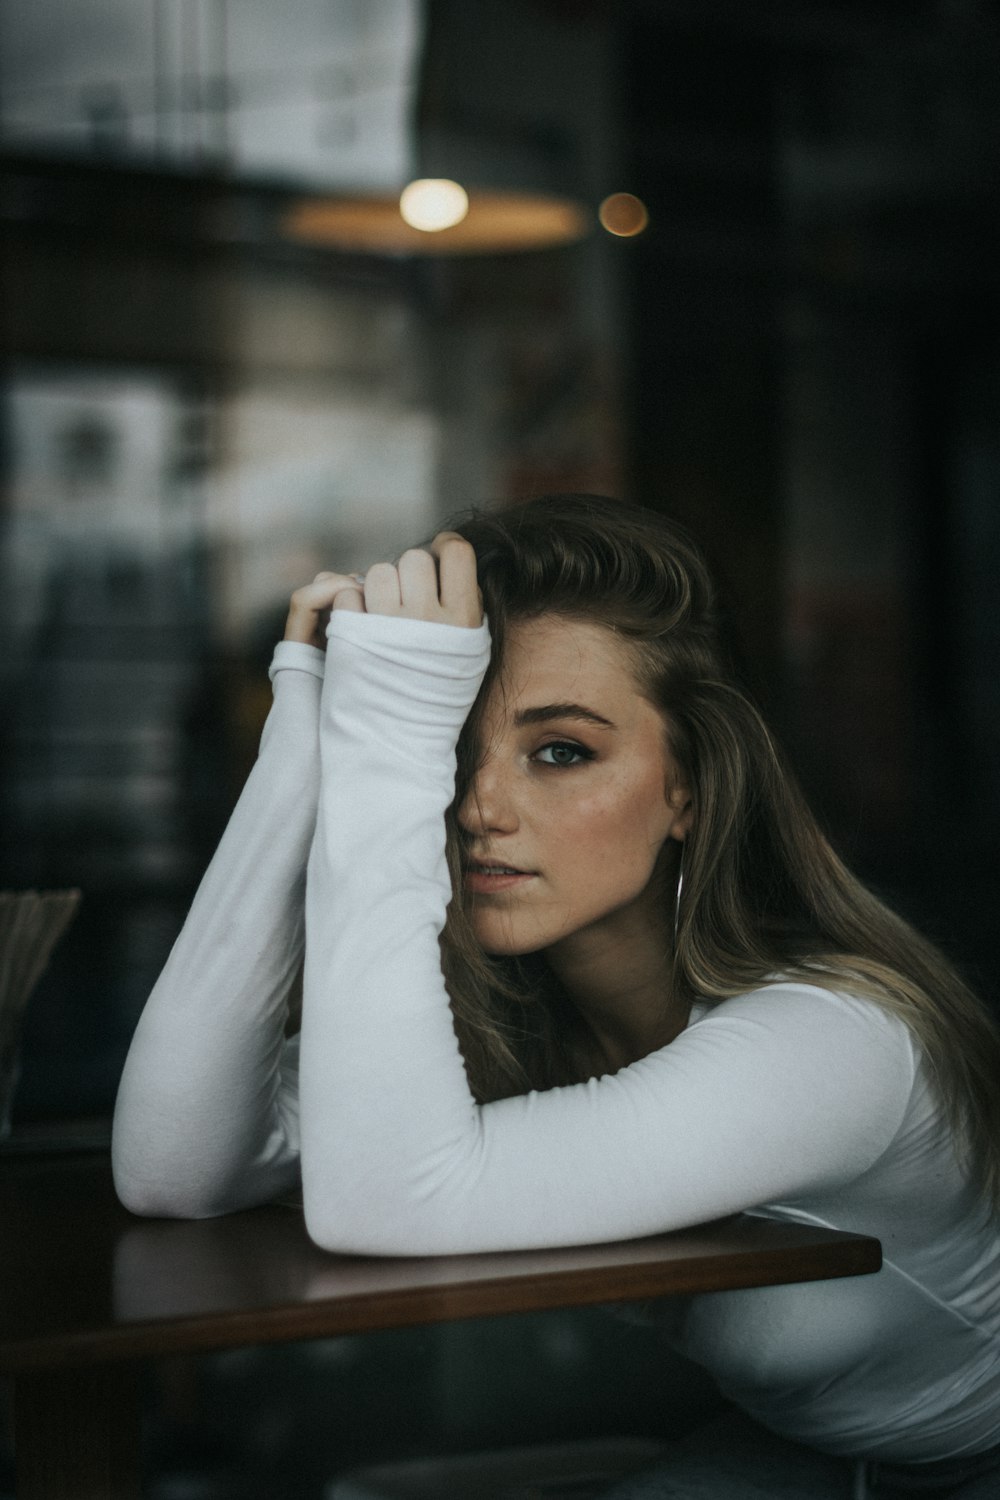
[{"x": 315, "y": 91}]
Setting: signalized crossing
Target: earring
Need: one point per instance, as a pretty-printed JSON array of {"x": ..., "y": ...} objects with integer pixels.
[{"x": 677, "y": 897}]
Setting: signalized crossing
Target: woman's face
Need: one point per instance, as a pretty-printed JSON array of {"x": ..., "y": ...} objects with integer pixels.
[{"x": 575, "y": 796}]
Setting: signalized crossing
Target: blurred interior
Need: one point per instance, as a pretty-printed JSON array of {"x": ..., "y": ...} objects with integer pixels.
[{"x": 798, "y": 356}]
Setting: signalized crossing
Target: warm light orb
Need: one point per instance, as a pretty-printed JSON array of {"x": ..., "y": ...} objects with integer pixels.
[
  {"x": 433, "y": 203},
  {"x": 623, "y": 214}
]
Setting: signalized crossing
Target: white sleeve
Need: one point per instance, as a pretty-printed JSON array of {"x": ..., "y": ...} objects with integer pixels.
[
  {"x": 769, "y": 1097},
  {"x": 206, "y": 1119}
]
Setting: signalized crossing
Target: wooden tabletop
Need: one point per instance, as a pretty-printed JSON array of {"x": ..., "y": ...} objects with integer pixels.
[{"x": 84, "y": 1282}]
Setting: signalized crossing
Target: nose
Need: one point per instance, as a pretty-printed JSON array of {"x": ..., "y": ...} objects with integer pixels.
[{"x": 488, "y": 805}]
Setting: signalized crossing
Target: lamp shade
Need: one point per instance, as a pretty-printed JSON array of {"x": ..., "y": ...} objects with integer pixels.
[{"x": 496, "y": 223}]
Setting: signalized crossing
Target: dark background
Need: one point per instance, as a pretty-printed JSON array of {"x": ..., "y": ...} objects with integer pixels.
[{"x": 800, "y": 358}]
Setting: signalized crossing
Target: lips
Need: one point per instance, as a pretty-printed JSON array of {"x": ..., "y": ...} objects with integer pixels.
[{"x": 487, "y": 877}]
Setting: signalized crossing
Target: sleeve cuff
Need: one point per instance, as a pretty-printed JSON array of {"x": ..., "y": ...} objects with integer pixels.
[
  {"x": 401, "y": 633},
  {"x": 297, "y": 656}
]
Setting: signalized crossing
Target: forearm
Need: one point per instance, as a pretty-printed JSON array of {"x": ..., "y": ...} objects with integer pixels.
[
  {"x": 376, "y": 1017},
  {"x": 202, "y": 1124}
]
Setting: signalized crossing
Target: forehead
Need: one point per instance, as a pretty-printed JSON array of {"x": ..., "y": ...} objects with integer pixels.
[{"x": 551, "y": 659}]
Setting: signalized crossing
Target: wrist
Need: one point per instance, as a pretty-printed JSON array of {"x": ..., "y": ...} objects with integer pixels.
[
  {"x": 296, "y": 655},
  {"x": 409, "y": 683}
]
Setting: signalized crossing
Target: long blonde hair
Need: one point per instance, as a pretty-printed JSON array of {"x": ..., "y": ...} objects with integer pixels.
[{"x": 763, "y": 894}]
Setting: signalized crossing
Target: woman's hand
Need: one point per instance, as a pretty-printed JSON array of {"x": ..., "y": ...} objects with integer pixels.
[
  {"x": 309, "y": 610},
  {"x": 437, "y": 582}
]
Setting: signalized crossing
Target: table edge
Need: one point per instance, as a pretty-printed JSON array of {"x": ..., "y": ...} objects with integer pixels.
[{"x": 376, "y": 1311}]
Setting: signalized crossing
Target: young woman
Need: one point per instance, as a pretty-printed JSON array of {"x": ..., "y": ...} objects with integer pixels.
[{"x": 609, "y": 982}]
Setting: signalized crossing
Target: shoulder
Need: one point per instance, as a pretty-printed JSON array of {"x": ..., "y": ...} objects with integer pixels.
[
  {"x": 813, "y": 1028},
  {"x": 814, "y": 1003},
  {"x": 817, "y": 1080}
]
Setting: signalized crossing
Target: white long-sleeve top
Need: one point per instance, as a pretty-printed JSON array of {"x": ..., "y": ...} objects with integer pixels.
[{"x": 792, "y": 1101}]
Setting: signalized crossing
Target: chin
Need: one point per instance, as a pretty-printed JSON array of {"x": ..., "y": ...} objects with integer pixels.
[
  {"x": 495, "y": 949},
  {"x": 506, "y": 945}
]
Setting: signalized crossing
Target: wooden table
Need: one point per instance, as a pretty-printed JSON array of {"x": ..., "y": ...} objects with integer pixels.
[{"x": 87, "y": 1293}]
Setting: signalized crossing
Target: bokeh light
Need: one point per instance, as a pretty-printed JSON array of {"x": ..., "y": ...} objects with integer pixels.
[
  {"x": 624, "y": 215},
  {"x": 433, "y": 203}
]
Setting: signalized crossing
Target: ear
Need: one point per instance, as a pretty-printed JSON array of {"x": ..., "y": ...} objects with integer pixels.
[{"x": 680, "y": 803}]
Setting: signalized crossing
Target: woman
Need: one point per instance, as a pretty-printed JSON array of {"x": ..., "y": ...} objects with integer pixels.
[{"x": 657, "y": 997}]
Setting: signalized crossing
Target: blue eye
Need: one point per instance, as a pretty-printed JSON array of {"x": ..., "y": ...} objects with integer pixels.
[{"x": 562, "y": 753}]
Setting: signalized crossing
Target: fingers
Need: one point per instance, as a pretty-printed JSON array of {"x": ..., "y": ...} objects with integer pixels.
[
  {"x": 409, "y": 589},
  {"x": 310, "y": 606},
  {"x": 418, "y": 584},
  {"x": 458, "y": 588},
  {"x": 437, "y": 582},
  {"x": 352, "y": 599},
  {"x": 383, "y": 595}
]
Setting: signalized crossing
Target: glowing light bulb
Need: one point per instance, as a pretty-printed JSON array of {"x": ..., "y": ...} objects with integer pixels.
[
  {"x": 433, "y": 203},
  {"x": 623, "y": 214}
]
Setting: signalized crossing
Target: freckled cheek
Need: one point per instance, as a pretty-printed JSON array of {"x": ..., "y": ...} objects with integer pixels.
[{"x": 618, "y": 827}]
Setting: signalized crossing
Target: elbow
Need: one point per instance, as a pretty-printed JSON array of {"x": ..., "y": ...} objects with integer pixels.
[
  {"x": 145, "y": 1199},
  {"x": 329, "y": 1233},
  {"x": 336, "y": 1224},
  {"x": 385, "y": 1201},
  {"x": 154, "y": 1188},
  {"x": 345, "y": 1234},
  {"x": 158, "y": 1198},
  {"x": 194, "y": 1179},
  {"x": 360, "y": 1221},
  {"x": 136, "y": 1187},
  {"x": 147, "y": 1178}
]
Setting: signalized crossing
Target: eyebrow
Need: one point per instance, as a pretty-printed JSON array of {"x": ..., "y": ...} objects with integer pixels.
[{"x": 547, "y": 711}]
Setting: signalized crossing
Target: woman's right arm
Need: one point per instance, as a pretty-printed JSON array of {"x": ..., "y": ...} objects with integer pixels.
[{"x": 206, "y": 1119}]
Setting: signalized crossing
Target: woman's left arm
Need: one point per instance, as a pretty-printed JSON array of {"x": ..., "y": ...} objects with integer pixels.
[{"x": 778, "y": 1094}]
